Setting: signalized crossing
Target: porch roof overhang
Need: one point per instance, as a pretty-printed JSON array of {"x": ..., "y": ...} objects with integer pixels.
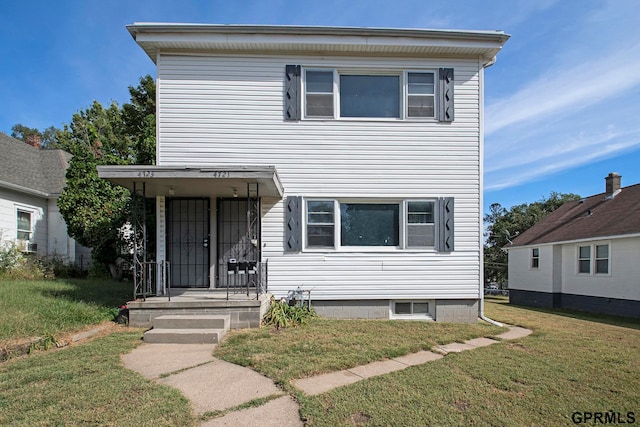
[{"x": 217, "y": 181}]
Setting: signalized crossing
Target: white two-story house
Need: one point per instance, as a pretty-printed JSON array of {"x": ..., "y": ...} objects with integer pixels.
[{"x": 347, "y": 160}]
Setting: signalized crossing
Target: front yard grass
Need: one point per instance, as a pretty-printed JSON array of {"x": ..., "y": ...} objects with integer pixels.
[
  {"x": 87, "y": 385},
  {"x": 324, "y": 345},
  {"x": 39, "y": 308},
  {"x": 572, "y": 363}
]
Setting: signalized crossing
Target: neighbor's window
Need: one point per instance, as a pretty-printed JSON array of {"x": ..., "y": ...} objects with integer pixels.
[
  {"x": 320, "y": 223},
  {"x": 421, "y": 95},
  {"x": 369, "y": 224},
  {"x": 584, "y": 259},
  {"x": 369, "y": 96},
  {"x": 319, "y": 94},
  {"x": 602, "y": 259},
  {"x": 420, "y": 224},
  {"x": 24, "y": 225},
  {"x": 535, "y": 258}
]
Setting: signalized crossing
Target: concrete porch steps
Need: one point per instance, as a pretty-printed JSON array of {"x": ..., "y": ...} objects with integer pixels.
[{"x": 187, "y": 329}]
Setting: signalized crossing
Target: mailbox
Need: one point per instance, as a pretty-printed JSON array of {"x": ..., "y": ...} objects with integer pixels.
[{"x": 232, "y": 266}]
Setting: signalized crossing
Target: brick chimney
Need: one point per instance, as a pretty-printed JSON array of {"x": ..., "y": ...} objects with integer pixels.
[
  {"x": 612, "y": 182},
  {"x": 34, "y": 140}
]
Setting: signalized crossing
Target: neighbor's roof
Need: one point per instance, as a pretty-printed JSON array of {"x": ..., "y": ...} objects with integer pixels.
[
  {"x": 317, "y": 40},
  {"x": 30, "y": 170},
  {"x": 593, "y": 217}
]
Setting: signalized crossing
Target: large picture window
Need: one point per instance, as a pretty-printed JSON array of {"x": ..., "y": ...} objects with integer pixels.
[
  {"x": 333, "y": 93},
  {"x": 369, "y": 96},
  {"x": 364, "y": 224}
]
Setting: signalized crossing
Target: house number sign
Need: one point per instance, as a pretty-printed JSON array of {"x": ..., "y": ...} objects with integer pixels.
[{"x": 215, "y": 174}]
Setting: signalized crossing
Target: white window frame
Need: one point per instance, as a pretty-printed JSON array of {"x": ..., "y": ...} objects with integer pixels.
[
  {"x": 412, "y": 316},
  {"x": 535, "y": 257},
  {"x": 593, "y": 259},
  {"x": 337, "y": 225},
  {"x": 31, "y": 213},
  {"x": 403, "y": 92}
]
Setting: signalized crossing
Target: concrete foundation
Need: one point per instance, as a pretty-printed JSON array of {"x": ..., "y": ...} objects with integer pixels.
[{"x": 459, "y": 311}]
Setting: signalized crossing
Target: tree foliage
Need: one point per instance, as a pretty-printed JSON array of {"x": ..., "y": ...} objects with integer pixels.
[
  {"x": 503, "y": 225},
  {"x": 47, "y": 136},
  {"x": 94, "y": 209}
]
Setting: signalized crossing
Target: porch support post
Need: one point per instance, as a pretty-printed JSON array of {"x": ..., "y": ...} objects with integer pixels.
[{"x": 161, "y": 253}]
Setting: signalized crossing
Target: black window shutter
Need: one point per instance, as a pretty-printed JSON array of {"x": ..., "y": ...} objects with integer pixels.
[
  {"x": 445, "y": 109},
  {"x": 444, "y": 243},
  {"x": 292, "y": 92},
  {"x": 293, "y": 224}
]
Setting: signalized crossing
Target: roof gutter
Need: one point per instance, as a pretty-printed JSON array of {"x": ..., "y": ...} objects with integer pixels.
[{"x": 22, "y": 189}]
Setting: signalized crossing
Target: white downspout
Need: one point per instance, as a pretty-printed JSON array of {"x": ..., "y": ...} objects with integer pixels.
[{"x": 481, "y": 225}]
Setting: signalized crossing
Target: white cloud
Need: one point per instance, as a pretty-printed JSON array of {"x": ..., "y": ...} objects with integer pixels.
[{"x": 567, "y": 90}]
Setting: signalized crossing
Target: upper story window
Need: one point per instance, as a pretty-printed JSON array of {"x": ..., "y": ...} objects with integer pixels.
[
  {"x": 23, "y": 225},
  {"x": 535, "y": 258},
  {"x": 337, "y": 94}
]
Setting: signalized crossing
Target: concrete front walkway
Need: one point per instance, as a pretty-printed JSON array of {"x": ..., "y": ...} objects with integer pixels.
[
  {"x": 214, "y": 385},
  {"x": 323, "y": 383}
]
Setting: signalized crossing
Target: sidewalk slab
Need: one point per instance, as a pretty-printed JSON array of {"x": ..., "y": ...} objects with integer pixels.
[
  {"x": 374, "y": 369},
  {"x": 153, "y": 360},
  {"x": 514, "y": 332},
  {"x": 480, "y": 342},
  {"x": 455, "y": 347},
  {"x": 325, "y": 382},
  {"x": 281, "y": 412},
  {"x": 418, "y": 358},
  {"x": 220, "y": 385}
]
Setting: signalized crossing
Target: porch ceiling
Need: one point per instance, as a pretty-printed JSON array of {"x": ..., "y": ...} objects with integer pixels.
[{"x": 215, "y": 181}]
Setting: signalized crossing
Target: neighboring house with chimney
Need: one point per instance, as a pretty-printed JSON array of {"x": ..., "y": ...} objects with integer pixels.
[
  {"x": 348, "y": 160},
  {"x": 585, "y": 255},
  {"x": 31, "y": 179}
]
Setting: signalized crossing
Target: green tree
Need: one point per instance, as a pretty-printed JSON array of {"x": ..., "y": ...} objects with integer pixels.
[
  {"x": 48, "y": 136},
  {"x": 94, "y": 209},
  {"x": 503, "y": 225}
]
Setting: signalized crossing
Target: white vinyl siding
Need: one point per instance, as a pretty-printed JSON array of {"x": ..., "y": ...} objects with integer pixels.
[
  {"x": 228, "y": 110},
  {"x": 559, "y": 270}
]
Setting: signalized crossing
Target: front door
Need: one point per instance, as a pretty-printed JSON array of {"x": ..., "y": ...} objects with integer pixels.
[
  {"x": 238, "y": 240},
  {"x": 188, "y": 236}
]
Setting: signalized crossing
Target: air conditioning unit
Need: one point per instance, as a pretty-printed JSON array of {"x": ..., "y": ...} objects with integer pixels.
[{"x": 27, "y": 247}]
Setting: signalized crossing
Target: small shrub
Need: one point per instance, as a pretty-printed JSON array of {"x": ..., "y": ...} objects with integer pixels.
[
  {"x": 282, "y": 315},
  {"x": 10, "y": 256}
]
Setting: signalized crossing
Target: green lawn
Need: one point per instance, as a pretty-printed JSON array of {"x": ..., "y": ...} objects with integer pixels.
[
  {"x": 325, "y": 345},
  {"x": 571, "y": 363},
  {"x": 87, "y": 385},
  {"x": 39, "y": 308}
]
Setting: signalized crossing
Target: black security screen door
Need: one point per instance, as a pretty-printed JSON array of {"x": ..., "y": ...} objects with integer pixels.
[
  {"x": 238, "y": 237},
  {"x": 188, "y": 243}
]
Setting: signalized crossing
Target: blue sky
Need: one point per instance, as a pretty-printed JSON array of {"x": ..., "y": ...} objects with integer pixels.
[{"x": 562, "y": 102}]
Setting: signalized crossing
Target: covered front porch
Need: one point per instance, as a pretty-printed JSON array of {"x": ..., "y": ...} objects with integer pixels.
[{"x": 207, "y": 255}]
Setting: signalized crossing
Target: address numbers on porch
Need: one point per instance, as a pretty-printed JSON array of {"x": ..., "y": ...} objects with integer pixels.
[{"x": 212, "y": 174}]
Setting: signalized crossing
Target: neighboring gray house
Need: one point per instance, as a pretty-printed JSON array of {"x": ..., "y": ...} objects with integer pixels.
[
  {"x": 347, "y": 159},
  {"x": 31, "y": 179},
  {"x": 585, "y": 255}
]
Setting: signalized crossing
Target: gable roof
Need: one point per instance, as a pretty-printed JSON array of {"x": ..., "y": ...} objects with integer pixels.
[
  {"x": 592, "y": 217},
  {"x": 30, "y": 170},
  {"x": 318, "y": 40}
]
